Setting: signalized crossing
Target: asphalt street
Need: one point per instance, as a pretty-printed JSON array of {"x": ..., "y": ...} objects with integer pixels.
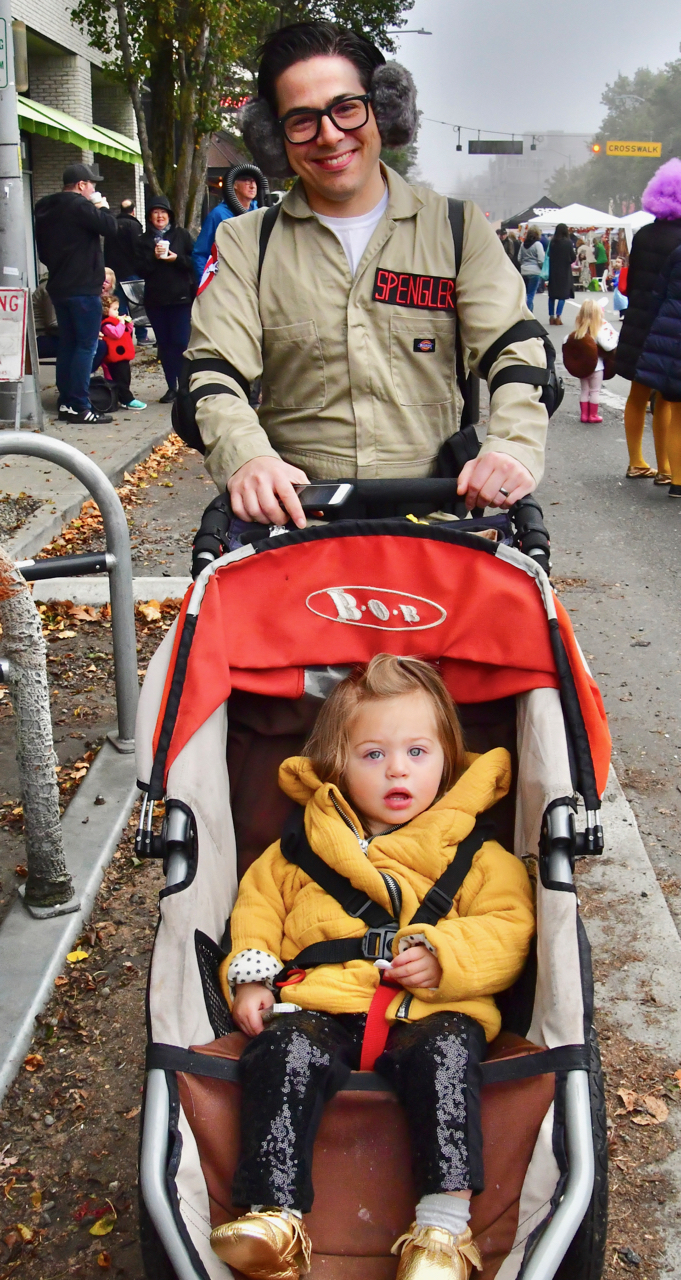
[{"x": 617, "y": 540}]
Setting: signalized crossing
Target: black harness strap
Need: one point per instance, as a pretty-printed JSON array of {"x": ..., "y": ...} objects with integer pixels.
[
  {"x": 211, "y": 364},
  {"x": 439, "y": 900},
  {"x": 566, "y": 1057},
  {"x": 518, "y": 332},
  {"x": 520, "y": 373},
  {"x": 296, "y": 848},
  {"x": 266, "y": 229}
]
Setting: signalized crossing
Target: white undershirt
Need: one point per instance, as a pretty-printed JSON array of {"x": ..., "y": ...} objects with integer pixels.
[{"x": 355, "y": 233}]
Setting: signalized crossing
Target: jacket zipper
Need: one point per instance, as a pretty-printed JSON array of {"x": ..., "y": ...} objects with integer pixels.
[{"x": 394, "y": 891}]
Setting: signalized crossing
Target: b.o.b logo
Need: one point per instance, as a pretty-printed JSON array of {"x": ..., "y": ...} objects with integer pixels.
[{"x": 379, "y": 608}]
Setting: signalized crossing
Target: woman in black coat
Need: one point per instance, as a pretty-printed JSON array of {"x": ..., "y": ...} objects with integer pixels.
[
  {"x": 650, "y": 249},
  {"x": 561, "y": 257},
  {"x": 660, "y": 364},
  {"x": 164, "y": 255}
]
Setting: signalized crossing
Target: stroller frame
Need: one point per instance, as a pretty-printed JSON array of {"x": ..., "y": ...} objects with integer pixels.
[{"x": 560, "y": 844}]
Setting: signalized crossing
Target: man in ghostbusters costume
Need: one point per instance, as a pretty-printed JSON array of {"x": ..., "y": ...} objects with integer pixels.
[{"x": 351, "y": 320}]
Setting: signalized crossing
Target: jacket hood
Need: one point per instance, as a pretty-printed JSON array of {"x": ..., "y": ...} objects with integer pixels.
[
  {"x": 160, "y": 202},
  {"x": 486, "y": 779}
]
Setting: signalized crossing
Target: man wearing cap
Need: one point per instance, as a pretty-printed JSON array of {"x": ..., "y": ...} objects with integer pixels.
[
  {"x": 350, "y": 314},
  {"x": 68, "y": 227},
  {"x": 245, "y": 190}
]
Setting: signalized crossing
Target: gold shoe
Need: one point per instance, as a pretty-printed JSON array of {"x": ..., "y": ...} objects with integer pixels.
[
  {"x": 431, "y": 1253},
  {"x": 264, "y": 1246}
]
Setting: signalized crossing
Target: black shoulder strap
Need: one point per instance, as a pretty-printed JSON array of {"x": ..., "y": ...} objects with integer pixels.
[
  {"x": 266, "y": 229},
  {"x": 469, "y": 414},
  {"x": 439, "y": 900},
  {"x": 518, "y": 332},
  {"x": 296, "y": 848},
  {"x": 455, "y": 210}
]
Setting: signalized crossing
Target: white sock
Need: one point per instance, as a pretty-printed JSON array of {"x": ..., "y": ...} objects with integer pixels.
[
  {"x": 449, "y": 1213},
  {"x": 287, "y": 1211}
]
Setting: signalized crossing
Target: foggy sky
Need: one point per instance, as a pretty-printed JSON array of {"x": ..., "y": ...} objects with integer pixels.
[{"x": 494, "y": 65}]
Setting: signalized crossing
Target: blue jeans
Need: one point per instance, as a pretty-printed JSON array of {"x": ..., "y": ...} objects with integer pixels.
[
  {"x": 531, "y": 286},
  {"x": 79, "y": 320},
  {"x": 558, "y": 303},
  {"x": 171, "y": 326}
]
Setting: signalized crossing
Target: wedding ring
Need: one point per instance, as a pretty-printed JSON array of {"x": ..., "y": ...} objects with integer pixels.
[{"x": 504, "y": 491}]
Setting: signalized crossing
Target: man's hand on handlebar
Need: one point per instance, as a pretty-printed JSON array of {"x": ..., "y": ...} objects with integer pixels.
[
  {"x": 262, "y": 491},
  {"x": 494, "y": 480}
]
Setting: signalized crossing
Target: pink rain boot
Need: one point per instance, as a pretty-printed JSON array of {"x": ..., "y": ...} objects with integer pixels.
[
  {"x": 594, "y": 415},
  {"x": 584, "y": 406}
]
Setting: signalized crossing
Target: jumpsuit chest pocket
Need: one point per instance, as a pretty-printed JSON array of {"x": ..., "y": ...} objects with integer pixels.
[
  {"x": 422, "y": 357},
  {"x": 293, "y": 365}
]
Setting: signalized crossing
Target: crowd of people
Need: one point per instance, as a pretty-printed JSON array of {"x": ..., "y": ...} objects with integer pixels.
[{"x": 81, "y": 307}]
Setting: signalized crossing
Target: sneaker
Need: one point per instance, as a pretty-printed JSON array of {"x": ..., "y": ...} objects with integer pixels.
[
  {"x": 135, "y": 404},
  {"x": 270, "y": 1243},
  {"x": 170, "y": 395},
  {"x": 674, "y": 491},
  {"x": 66, "y": 413},
  {"x": 93, "y": 419}
]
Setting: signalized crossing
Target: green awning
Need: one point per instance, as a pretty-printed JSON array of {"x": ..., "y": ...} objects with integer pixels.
[{"x": 34, "y": 117}]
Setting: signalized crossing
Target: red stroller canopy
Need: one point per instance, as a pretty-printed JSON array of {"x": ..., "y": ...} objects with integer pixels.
[{"x": 342, "y": 596}]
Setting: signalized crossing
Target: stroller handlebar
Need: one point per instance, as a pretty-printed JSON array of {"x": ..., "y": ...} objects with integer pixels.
[{"x": 375, "y": 499}]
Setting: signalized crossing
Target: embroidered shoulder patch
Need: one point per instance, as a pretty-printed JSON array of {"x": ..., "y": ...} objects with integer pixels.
[
  {"x": 406, "y": 289},
  {"x": 210, "y": 270}
]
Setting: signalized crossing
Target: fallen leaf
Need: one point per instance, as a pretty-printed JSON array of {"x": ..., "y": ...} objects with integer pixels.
[
  {"x": 36, "y": 1199},
  {"x": 67, "y": 635},
  {"x": 677, "y": 1075},
  {"x": 7, "y": 1187},
  {"x": 104, "y": 1259},
  {"x": 21, "y": 871},
  {"x": 656, "y": 1107},
  {"x": 61, "y": 981},
  {"x": 151, "y": 610},
  {"x": 74, "y": 957},
  {"x": 33, "y": 1061},
  {"x": 628, "y": 1097},
  {"x": 82, "y": 613},
  {"x": 130, "y": 1115},
  {"x": 25, "y": 1232},
  {"x": 104, "y": 1225}
]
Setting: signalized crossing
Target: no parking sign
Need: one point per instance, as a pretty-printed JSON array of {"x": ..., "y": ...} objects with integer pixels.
[{"x": 12, "y": 333}]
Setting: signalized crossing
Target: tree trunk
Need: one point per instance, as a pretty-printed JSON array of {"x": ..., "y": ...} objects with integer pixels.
[
  {"x": 187, "y": 114},
  {"x": 49, "y": 882},
  {"x": 161, "y": 84},
  {"x": 197, "y": 184},
  {"x": 133, "y": 86}
]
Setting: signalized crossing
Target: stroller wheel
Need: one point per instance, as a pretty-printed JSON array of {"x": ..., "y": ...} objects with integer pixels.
[{"x": 585, "y": 1259}]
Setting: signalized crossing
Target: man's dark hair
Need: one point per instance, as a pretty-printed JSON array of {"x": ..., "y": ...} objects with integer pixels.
[{"x": 303, "y": 40}]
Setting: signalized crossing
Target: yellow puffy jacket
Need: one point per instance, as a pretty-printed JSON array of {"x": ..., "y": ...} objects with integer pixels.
[{"x": 481, "y": 945}]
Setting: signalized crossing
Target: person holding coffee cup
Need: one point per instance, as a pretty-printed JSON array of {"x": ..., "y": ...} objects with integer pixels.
[{"x": 164, "y": 256}]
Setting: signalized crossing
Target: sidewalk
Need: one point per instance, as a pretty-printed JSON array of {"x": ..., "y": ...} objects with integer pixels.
[{"x": 115, "y": 447}]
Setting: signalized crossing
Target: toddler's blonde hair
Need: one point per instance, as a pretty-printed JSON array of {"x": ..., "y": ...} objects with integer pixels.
[
  {"x": 589, "y": 319},
  {"x": 385, "y": 677}
]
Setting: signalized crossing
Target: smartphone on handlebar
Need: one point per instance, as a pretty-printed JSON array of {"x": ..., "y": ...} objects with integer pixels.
[{"x": 315, "y": 496}]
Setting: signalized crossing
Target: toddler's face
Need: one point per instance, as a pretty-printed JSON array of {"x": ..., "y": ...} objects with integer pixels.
[{"x": 395, "y": 760}]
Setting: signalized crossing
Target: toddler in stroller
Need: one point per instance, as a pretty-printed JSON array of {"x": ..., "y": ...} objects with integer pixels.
[{"x": 386, "y": 746}]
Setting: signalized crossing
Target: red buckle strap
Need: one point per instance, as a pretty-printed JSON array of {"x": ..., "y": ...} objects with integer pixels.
[{"x": 377, "y": 1028}]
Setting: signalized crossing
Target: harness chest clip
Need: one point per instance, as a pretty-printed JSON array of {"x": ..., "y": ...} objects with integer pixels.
[{"x": 377, "y": 943}]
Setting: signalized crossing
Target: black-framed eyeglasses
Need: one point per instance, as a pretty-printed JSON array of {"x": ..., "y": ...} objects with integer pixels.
[{"x": 303, "y": 124}]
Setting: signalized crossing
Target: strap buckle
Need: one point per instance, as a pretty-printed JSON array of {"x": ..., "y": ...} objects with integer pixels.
[
  {"x": 377, "y": 943},
  {"x": 438, "y": 901},
  {"x": 363, "y": 905}
]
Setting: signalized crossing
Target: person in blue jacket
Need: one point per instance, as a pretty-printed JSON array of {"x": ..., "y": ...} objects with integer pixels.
[{"x": 245, "y": 190}]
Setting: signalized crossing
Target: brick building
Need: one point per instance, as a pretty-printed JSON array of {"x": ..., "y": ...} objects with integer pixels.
[{"x": 68, "y": 110}]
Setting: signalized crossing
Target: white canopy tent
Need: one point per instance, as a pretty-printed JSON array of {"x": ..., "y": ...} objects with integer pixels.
[{"x": 579, "y": 216}]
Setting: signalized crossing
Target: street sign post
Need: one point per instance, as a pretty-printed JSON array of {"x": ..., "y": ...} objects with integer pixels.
[
  {"x": 4, "y": 78},
  {"x": 648, "y": 149},
  {"x": 12, "y": 334}
]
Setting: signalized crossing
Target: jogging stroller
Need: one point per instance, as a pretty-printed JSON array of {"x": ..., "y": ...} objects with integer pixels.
[{"x": 234, "y": 688}]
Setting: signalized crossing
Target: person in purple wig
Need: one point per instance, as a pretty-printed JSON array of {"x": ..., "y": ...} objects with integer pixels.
[{"x": 651, "y": 247}]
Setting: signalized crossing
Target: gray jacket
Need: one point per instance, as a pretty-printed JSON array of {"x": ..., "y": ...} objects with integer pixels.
[{"x": 530, "y": 260}]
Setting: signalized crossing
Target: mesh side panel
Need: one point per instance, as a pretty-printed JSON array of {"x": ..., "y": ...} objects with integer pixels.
[{"x": 209, "y": 957}]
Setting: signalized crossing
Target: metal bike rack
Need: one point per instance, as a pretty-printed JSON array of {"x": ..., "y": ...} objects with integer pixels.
[{"x": 116, "y": 562}]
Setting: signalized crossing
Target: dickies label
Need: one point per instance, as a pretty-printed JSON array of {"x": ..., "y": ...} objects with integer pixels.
[
  {"x": 424, "y": 344},
  {"x": 406, "y": 289}
]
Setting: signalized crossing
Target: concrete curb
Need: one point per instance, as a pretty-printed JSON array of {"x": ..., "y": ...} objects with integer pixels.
[
  {"x": 42, "y": 527},
  {"x": 32, "y": 951},
  {"x": 96, "y": 590},
  {"x": 624, "y": 922}
]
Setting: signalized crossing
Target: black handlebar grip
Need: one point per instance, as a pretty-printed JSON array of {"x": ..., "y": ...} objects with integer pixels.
[
  {"x": 531, "y": 534},
  {"x": 211, "y": 537}
]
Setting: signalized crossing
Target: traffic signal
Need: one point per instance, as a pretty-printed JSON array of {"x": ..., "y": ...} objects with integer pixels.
[{"x": 596, "y": 147}]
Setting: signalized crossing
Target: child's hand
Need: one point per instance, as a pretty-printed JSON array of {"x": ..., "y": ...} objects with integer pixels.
[
  {"x": 416, "y": 967},
  {"x": 249, "y": 1002}
]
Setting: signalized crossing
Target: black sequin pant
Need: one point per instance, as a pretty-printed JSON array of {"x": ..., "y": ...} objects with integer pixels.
[{"x": 300, "y": 1060}]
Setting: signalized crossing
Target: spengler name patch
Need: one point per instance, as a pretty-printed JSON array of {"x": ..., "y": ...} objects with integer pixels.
[{"x": 406, "y": 289}]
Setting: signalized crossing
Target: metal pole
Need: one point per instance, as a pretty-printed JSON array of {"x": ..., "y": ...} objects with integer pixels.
[
  {"x": 13, "y": 259},
  {"x": 120, "y": 569}
]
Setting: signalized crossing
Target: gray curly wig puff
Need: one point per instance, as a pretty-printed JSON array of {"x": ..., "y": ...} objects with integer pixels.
[{"x": 392, "y": 89}]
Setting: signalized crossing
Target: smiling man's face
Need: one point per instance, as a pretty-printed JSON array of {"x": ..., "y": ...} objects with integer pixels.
[{"x": 340, "y": 170}]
